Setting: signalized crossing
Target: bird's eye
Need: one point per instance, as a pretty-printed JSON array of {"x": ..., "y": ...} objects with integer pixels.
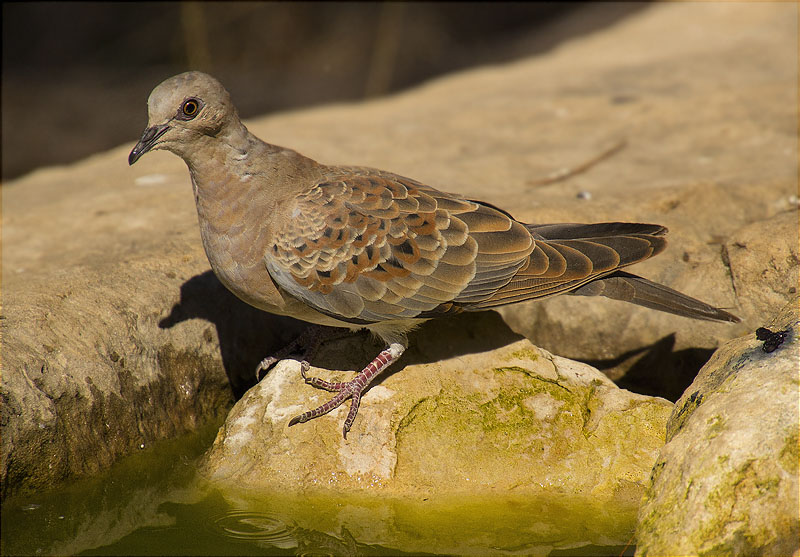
[{"x": 190, "y": 108}]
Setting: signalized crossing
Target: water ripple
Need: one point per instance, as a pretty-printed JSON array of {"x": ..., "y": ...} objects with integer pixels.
[{"x": 255, "y": 526}]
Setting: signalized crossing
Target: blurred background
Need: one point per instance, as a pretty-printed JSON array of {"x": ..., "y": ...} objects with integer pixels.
[{"x": 76, "y": 75}]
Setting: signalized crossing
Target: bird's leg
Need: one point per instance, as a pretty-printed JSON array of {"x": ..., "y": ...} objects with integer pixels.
[
  {"x": 308, "y": 342},
  {"x": 351, "y": 389}
]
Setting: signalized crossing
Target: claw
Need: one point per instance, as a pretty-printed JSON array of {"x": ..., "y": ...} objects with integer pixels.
[
  {"x": 297, "y": 420},
  {"x": 335, "y": 402},
  {"x": 264, "y": 365},
  {"x": 309, "y": 340},
  {"x": 351, "y": 415}
]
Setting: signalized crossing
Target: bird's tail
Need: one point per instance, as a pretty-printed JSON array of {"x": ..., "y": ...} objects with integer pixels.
[
  {"x": 586, "y": 260},
  {"x": 638, "y": 290}
]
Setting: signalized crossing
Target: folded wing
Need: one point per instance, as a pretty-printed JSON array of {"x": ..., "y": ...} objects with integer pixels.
[{"x": 367, "y": 246}]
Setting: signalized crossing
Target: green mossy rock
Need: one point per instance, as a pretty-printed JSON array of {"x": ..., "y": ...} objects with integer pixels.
[
  {"x": 727, "y": 480},
  {"x": 515, "y": 418}
]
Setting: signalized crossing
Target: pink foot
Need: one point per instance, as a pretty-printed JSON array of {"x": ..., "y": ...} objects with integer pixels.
[{"x": 351, "y": 389}]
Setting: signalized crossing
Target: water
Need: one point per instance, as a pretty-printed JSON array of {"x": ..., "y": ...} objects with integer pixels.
[{"x": 153, "y": 503}]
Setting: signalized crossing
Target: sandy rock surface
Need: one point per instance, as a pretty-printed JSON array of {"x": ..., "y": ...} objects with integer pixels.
[
  {"x": 115, "y": 334},
  {"x": 513, "y": 418},
  {"x": 727, "y": 480}
]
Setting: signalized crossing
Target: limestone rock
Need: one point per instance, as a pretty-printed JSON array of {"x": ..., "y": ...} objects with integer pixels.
[
  {"x": 103, "y": 264},
  {"x": 513, "y": 418},
  {"x": 765, "y": 265},
  {"x": 758, "y": 266},
  {"x": 89, "y": 375},
  {"x": 676, "y": 170},
  {"x": 727, "y": 480}
]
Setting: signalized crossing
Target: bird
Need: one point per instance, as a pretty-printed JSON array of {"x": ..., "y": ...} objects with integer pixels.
[{"x": 357, "y": 247}]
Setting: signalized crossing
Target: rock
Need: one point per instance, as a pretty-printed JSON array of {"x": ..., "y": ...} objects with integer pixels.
[
  {"x": 139, "y": 493},
  {"x": 91, "y": 371},
  {"x": 115, "y": 335},
  {"x": 466, "y": 446},
  {"x": 727, "y": 480},
  {"x": 764, "y": 263},
  {"x": 676, "y": 170},
  {"x": 478, "y": 422}
]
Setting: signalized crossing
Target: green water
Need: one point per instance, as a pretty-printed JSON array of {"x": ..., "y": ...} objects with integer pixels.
[{"x": 153, "y": 503}]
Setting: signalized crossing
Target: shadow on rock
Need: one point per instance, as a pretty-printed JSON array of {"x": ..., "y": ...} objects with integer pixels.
[
  {"x": 433, "y": 341},
  {"x": 657, "y": 369},
  {"x": 448, "y": 337},
  {"x": 247, "y": 335}
]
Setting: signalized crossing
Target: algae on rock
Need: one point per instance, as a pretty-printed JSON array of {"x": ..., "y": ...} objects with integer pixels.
[
  {"x": 727, "y": 480},
  {"x": 514, "y": 419}
]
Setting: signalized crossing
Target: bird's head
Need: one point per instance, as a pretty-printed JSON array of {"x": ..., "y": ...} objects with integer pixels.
[{"x": 183, "y": 109}]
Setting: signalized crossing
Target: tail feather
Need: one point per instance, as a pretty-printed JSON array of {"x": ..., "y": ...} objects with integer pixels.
[
  {"x": 638, "y": 290},
  {"x": 575, "y": 231},
  {"x": 585, "y": 260},
  {"x": 566, "y": 256}
]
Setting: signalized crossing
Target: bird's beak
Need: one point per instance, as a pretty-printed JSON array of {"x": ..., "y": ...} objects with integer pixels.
[{"x": 148, "y": 140}]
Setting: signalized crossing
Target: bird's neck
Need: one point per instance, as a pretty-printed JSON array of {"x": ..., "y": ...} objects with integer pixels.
[{"x": 236, "y": 164}]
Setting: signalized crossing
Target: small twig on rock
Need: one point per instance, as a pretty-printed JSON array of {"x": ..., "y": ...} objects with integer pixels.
[{"x": 564, "y": 173}]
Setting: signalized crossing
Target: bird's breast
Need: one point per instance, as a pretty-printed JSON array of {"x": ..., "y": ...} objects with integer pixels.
[{"x": 234, "y": 227}]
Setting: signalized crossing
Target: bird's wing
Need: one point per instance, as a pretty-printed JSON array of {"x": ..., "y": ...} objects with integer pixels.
[
  {"x": 566, "y": 256},
  {"x": 367, "y": 246}
]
